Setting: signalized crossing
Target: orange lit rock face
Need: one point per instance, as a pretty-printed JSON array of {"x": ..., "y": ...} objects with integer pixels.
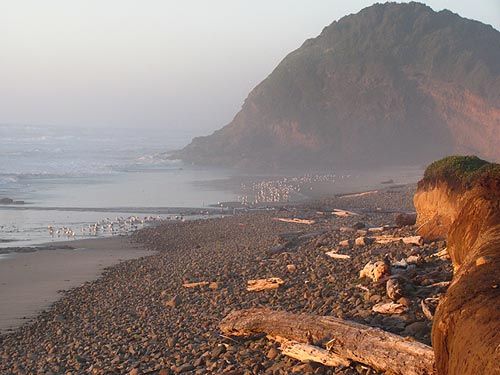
[
  {"x": 437, "y": 206},
  {"x": 474, "y": 122},
  {"x": 466, "y": 330}
]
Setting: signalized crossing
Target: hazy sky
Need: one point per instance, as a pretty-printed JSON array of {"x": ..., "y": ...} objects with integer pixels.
[{"x": 157, "y": 63}]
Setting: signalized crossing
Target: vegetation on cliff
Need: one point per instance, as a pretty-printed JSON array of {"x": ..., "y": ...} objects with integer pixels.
[{"x": 463, "y": 171}]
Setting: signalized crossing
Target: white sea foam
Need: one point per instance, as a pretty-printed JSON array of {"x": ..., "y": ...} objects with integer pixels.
[{"x": 50, "y": 167}]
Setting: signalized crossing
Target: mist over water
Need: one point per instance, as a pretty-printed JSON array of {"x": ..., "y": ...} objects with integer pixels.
[{"x": 75, "y": 177}]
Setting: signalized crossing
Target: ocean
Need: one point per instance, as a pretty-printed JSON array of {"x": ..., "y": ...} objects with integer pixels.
[{"x": 71, "y": 178}]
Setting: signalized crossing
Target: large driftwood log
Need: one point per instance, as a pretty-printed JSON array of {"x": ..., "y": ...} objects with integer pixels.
[
  {"x": 372, "y": 346},
  {"x": 310, "y": 353}
]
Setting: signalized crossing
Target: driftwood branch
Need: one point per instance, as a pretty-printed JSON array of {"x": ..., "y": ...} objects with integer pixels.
[
  {"x": 352, "y": 341},
  {"x": 412, "y": 240},
  {"x": 194, "y": 285},
  {"x": 296, "y": 221},
  {"x": 264, "y": 284}
]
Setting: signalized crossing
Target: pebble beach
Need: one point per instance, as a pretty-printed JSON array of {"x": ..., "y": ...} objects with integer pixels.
[{"x": 138, "y": 318}]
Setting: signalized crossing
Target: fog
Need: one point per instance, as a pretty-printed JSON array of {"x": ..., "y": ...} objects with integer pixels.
[{"x": 167, "y": 64}]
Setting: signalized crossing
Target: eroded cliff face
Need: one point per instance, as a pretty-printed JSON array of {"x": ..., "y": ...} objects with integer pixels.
[
  {"x": 463, "y": 196},
  {"x": 438, "y": 205}
]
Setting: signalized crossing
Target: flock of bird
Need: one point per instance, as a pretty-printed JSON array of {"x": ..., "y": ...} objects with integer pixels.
[
  {"x": 283, "y": 190},
  {"x": 109, "y": 227}
]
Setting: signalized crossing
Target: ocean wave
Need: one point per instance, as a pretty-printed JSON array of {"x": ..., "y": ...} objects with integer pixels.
[
  {"x": 160, "y": 159},
  {"x": 8, "y": 179}
]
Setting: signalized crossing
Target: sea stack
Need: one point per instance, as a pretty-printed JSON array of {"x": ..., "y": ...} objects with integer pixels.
[{"x": 395, "y": 84}]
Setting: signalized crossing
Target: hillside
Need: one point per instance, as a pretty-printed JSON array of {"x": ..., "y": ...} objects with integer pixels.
[{"x": 392, "y": 84}]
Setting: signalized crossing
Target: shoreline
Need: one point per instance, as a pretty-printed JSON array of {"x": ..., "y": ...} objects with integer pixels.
[
  {"x": 153, "y": 323},
  {"x": 32, "y": 282},
  {"x": 50, "y": 280},
  {"x": 58, "y": 266}
]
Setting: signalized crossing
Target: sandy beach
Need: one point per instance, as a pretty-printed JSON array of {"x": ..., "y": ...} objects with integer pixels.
[{"x": 31, "y": 282}]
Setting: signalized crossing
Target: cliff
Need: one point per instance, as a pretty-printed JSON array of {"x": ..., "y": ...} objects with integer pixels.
[
  {"x": 443, "y": 190},
  {"x": 462, "y": 196},
  {"x": 393, "y": 84}
]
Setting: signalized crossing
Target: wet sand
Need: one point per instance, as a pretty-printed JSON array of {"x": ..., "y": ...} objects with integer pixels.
[{"x": 31, "y": 282}]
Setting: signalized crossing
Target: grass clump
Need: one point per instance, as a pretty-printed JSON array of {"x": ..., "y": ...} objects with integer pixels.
[{"x": 461, "y": 171}]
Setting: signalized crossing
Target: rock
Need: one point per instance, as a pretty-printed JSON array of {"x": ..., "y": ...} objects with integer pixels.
[
  {"x": 414, "y": 259},
  {"x": 394, "y": 289},
  {"x": 402, "y": 220},
  {"x": 164, "y": 372},
  {"x": 401, "y": 264},
  {"x": 363, "y": 241},
  {"x": 134, "y": 372},
  {"x": 404, "y": 301},
  {"x": 175, "y": 301},
  {"x": 418, "y": 329},
  {"x": 184, "y": 368},
  {"x": 273, "y": 353},
  {"x": 171, "y": 341},
  {"x": 291, "y": 267},
  {"x": 213, "y": 285},
  {"x": 346, "y": 230},
  {"x": 59, "y": 318},
  {"x": 303, "y": 368},
  {"x": 375, "y": 270},
  {"x": 216, "y": 352},
  {"x": 6, "y": 201},
  {"x": 359, "y": 225},
  {"x": 346, "y": 243}
]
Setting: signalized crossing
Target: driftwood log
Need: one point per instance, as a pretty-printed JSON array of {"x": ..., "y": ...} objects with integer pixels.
[
  {"x": 359, "y": 194},
  {"x": 310, "y": 353},
  {"x": 352, "y": 341},
  {"x": 194, "y": 285},
  {"x": 334, "y": 255},
  {"x": 343, "y": 213},
  {"x": 412, "y": 240},
  {"x": 264, "y": 284},
  {"x": 296, "y": 221}
]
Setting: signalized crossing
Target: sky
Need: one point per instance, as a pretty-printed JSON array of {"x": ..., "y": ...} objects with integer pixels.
[{"x": 157, "y": 63}]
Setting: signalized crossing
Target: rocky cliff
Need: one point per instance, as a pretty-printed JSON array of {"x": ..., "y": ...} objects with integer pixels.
[
  {"x": 393, "y": 84},
  {"x": 461, "y": 195}
]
